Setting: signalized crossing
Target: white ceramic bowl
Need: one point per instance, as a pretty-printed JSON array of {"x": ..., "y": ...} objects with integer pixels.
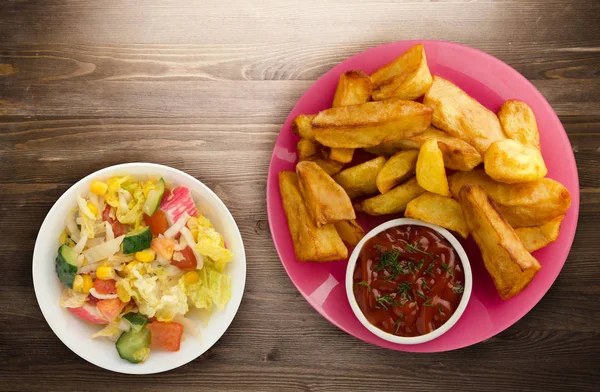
[
  {"x": 417, "y": 339},
  {"x": 75, "y": 333}
]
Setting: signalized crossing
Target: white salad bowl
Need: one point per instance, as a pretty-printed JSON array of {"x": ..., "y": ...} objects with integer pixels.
[
  {"x": 75, "y": 333},
  {"x": 462, "y": 255}
]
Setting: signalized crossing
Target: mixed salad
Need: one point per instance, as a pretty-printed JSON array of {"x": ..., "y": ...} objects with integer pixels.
[{"x": 137, "y": 257}]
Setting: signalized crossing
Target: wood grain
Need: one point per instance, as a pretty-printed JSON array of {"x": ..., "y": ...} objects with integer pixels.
[{"x": 204, "y": 86}]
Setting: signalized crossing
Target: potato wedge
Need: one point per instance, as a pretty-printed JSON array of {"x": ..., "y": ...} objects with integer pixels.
[
  {"x": 505, "y": 258},
  {"x": 397, "y": 169},
  {"x": 370, "y": 124},
  {"x": 458, "y": 114},
  {"x": 301, "y": 126},
  {"x": 518, "y": 123},
  {"x": 361, "y": 180},
  {"x": 306, "y": 148},
  {"x": 350, "y": 231},
  {"x": 343, "y": 155},
  {"x": 407, "y": 77},
  {"x": 311, "y": 243},
  {"x": 353, "y": 88},
  {"x": 393, "y": 201},
  {"x": 510, "y": 161},
  {"x": 330, "y": 167},
  {"x": 326, "y": 201},
  {"x": 431, "y": 174},
  {"x": 458, "y": 154},
  {"x": 438, "y": 210},
  {"x": 537, "y": 237},
  {"x": 522, "y": 205}
]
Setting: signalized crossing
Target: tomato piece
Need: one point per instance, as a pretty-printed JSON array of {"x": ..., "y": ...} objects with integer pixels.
[
  {"x": 105, "y": 286},
  {"x": 118, "y": 228},
  {"x": 165, "y": 335},
  {"x": 189, "y": 261},
  {"x": 110, "y": 308},
  {"x": 157, "y": 222}
]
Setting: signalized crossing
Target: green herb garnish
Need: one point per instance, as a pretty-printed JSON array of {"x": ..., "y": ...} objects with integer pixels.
[
  {"x": 405, "y": 289},
  {"x": 429, "y": 269},
  {"x": 459, "y": 289},
  {"x": 440, "y": 309},
  {"x": 424, "y": 284},
  {"x": 429, "y": 302},
  {"x": 410, "y": 248},
  {"x": 363, "y": 284},
  {"x": 449, "y": 270},
  {"x": 398, "y": 322},
  {"x": 384, "y": 300},
  {"x": 421, "y": 295}
]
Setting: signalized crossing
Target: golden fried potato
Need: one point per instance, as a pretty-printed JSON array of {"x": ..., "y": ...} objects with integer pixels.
[
  {"x": 407, "y": 77},
  {"x": 326, "y": 201},
  {"x": 510, "y": 162},
  {"x": 522, "y": 205},
  {"x": 518, "y": 122},
  {"x": 505, "y": 258},
  {"x": 343, "y": 155},
  {"x": 537, "y": 237},
  {"x": 370, "y": 124},
  {"x": 458, "y": 154},
  {"x": 431, "y": 174},
  {"x": 438, "y": 210},
  {"x": 306, "y": 148},
  {"x": 392, "y": 201},
  {"x": 353, "y": 88},
  {"x": 397, "y": 169},
  {"x": 457, "y": 113},
  {"x": 311, "y": 243},
  {"x": 350, "y": 231},
  {"x": 361, "y": 180},
  {"x": 301, "y": 126},
  {"x": 330, "y": 167}
]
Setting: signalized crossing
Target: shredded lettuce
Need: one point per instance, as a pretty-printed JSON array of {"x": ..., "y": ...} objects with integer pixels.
[
  {"x": 154, "y": 300},
  {"x": 72, "y": 299},
  {"x": 209, "y": 242},
  {"x": 212, "y": 289}
]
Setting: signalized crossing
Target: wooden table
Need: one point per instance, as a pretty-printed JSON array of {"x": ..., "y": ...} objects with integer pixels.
[{"x": 204, "y": 86}]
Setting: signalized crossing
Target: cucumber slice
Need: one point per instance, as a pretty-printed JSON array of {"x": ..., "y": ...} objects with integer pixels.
[
  {"x": 66, "y": 265},
  {"x": 137, "y": 320},
  {"x": 134, "y": 346},
  {"x": 154, "y": 198},
  {"x": 137, "y": 240}
]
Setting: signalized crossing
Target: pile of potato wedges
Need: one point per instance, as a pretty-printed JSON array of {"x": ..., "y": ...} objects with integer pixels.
[{"x": 402, "y": 140}]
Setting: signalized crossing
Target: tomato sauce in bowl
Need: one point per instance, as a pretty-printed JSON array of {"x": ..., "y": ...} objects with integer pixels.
[{"x": 408, "y": 280}]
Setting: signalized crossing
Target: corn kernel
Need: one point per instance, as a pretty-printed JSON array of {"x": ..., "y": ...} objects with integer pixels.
[
  {"x": 129, "y": 267},
  {"x": 78, "y": 283},
  {"x": 93, "y": 209},
  {"x": 98, "y": 187},
  {"x": 145, "y": 256},
  {"x": 123, "y": 294},
  {"x": 63, "y": 238},
  {"x": 105, "y": 272},
  {"x": 191, "y": 277},
  {"x": 88, "y": 282}
]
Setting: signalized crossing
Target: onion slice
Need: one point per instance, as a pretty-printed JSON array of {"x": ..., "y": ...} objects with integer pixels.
[
  {"x": 177, "y": 226},
  {"x": 102, "y": 296}
]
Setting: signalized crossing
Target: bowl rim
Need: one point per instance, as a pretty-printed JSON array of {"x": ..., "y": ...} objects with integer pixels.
[
  {"x": 462, "y": 255},
  {"x": 234, "y": 301}
]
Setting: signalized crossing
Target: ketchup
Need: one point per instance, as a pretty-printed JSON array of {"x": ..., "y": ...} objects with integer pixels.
[{"x": 408, "y": 280}]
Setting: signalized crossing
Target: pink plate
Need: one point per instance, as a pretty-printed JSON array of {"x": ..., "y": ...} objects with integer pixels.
[{"x": 491, "y": 82}]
